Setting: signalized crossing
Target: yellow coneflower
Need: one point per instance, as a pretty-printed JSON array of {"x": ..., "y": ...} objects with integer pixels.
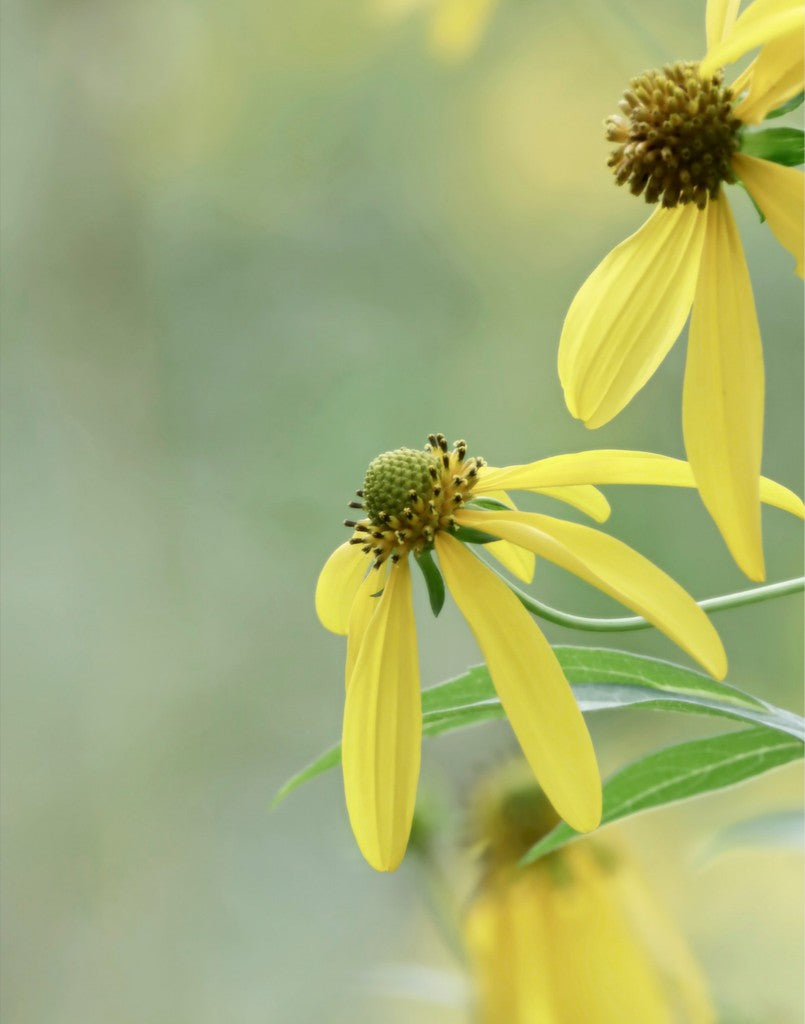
[
  {"x": 416, "y": 502},
  {"x": 678, "y": 138},
  {"x": 574, "y": 937}
]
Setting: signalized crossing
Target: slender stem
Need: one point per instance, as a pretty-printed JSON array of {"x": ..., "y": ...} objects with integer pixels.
[{"x": 632, "y": 622}]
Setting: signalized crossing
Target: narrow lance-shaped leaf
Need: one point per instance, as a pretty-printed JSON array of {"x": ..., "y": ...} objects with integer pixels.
[
  {"x": 681, "y": 772},
  {"x": 780, "y": 145},
  {"x": 602, "y": 679}
]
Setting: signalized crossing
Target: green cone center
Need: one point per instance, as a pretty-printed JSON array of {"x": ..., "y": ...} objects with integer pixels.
[
  {"x": 391, "y": 480},
  {"x": 677, "y": 135}
]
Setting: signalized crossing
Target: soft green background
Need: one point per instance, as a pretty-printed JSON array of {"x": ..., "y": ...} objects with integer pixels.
[{"x": 247, "y": 246}]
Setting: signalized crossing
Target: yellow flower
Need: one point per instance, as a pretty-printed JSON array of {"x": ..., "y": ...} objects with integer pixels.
[
  {"x": 678, "y": 137},
  {"x": 455, "y": 27},
  {"x": 415, "y": 502},
  {"x": 574, "y": 937}
]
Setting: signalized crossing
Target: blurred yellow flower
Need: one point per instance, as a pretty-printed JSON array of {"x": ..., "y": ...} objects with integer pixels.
[
  {"x": 418, "y": 501},
  {"x": 574, "y": 937},
  {"x": 455, "y": 27},
  {"x": 678, "y": 137}
]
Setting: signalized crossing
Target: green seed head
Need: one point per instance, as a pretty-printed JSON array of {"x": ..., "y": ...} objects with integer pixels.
[
  {"x": 392, "y": 477},
  {"x": 677, "y": 135}
]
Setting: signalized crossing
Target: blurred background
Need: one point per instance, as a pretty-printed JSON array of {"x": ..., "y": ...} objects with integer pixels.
[{"x": 247, "y": 247}]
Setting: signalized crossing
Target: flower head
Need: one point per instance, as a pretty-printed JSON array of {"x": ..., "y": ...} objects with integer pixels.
[
  {"x": 437, "y": 500},
  {"x": 575, "y": 936},
  {"x": 678, "y": 139}
]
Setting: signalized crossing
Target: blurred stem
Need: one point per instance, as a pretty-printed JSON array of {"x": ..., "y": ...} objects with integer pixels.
[
  {"x": 441, "y": 901},
  {"x": 623, "y": 625}
]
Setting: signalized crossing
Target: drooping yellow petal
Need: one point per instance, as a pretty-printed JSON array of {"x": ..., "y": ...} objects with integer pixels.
[
  {"x": 719, "y": 18},
  {"x": 585, "y": 498},
  {"x": 457, "y": 26},
  {"x": 619, "y": 467},
  {"x": 381, "y": 739},
  {"x": 780, "y": 193},
  {"x": 520, "y": 563},
  {"x": 366, "y": 602},
  {"x": 508, "y": 942},
  {"x": 774, "y": 494},
  {"x": 337, "y": 585},
  {"x": 661, "y": 940},
  {"x": 617, "y": 570},
  {"x": 618, "y": 982},
  {"x": 628, "y": 313},
  {"x": 760, "y": 23},
  {"x": 722, "y": 402},
  {"x": 530, "y": 683},
  {"x": 773, "y": 77}
]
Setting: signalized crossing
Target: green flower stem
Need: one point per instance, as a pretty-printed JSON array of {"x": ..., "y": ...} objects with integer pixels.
[{"x": 632, "y": 622}]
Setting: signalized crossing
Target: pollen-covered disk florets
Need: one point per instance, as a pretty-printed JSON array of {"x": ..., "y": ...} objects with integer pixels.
[
  {"x": 677, "y": 136},
  {"x": 410, "y": 495}
]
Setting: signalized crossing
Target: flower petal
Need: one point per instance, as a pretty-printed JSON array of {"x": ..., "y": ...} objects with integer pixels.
[
  {"x": 337, "y": 585},
  {"x": 530, "y": 683},
  {"x": 722, "y": 405},
  {"x": 661, "y": 940},
  {"x": 381, "y": 740},
  {"x": 366, "y": 602},
  {"x": 457, "y": 26},
  {"x": 620, "y": 982},
  {"x": 780, "y": 193},
  {"x": 520, "y": 563},
  {"x": 617, "y": 570},
  {"x": 719, "y": 18},
  {"x": 507, "y": 933},
  {"x": 583, "y": 496},
  {"x": 773, "y": 77},
  {"x": 620, "y": 467},
  {"x": 761, "y": 22},
  {"x": 628, "y": 313}
]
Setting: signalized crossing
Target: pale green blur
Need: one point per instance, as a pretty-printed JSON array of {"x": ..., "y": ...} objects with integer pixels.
[{"x": 247, "y": 247}]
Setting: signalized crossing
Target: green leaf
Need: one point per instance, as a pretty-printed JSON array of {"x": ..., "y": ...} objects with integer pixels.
[
  {"x": 781, "y": 145},
  {"x": 681, "y": 772},
  {"x": 777, "y": 830},
  {"x": 602, "y": 679},
  {"x": 433, "y": 580},
  {"x": 329, "y": 759},
  {"x": 787, "y": 107},
  {"x": 471, "y": 536},
  {"x": 490, "y": 503}
]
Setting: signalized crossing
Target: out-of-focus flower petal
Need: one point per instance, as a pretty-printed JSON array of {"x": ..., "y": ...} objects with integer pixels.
[
  {"x": 760, "y": 23},
  {"x": 530, "y": 683},
  {"x": 719, "y": 18},
  {"x": 588, "y": 927},
  {"x": 617, "y": 570},
  {"x": 381, "y": 740},
  {"x": 507, "y": 931},
  {"x": 663, "y": 943},
  {"x": 629, "y": 312},
  {"x": 722, "y": 403},
  {"x": 457, "y": 26},
  {"x": 773, "y": 77},
  {"x": 780, "y": 193}
]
